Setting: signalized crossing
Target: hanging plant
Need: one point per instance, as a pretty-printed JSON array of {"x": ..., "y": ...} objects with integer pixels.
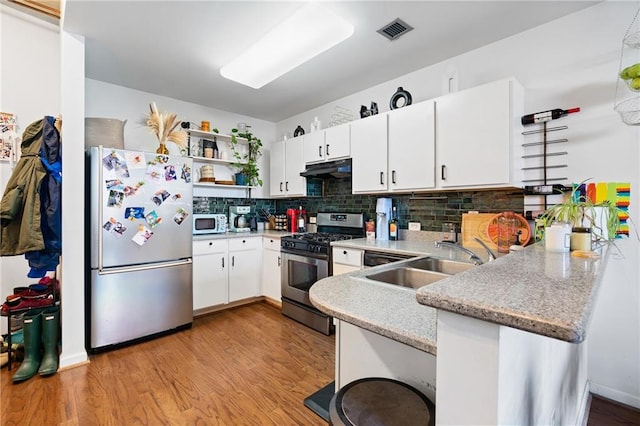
[{"x": 246, "y": 161}]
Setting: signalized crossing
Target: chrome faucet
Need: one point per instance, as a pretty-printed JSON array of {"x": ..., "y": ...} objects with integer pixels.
[
  {"x": 472, "y": 256},
  {"x": 492, "y": 255}
]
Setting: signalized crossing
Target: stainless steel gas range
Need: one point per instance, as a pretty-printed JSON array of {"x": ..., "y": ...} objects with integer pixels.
[{"x": 306, "y": 258}]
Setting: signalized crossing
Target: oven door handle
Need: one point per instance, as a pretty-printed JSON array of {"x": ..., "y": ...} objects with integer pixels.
[{"x": 303, "y": 258}]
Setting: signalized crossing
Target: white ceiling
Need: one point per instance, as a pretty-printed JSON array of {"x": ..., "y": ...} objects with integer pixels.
[{"x": 176, "y": 48}]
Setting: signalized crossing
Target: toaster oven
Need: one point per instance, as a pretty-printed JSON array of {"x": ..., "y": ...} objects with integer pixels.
[{"x": 209, "y": 223}]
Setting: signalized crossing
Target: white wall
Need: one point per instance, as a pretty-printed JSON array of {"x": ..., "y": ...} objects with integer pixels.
[
  {"x": 570, "y": 62},
  {"x": 27, "y": 47},
  {"x": 112, "y": 101},
  {"x": 72, "y": 270}
]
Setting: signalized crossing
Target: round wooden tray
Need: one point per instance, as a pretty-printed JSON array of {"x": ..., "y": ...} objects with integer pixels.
[
  {"x": 523, "y": 226},
  {"x": 212, "y": 180}
]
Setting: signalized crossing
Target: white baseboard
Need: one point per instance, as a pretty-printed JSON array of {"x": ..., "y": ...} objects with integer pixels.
[
  {"x": 72, "y": 360},
  {"x": 615, "y": 395}
]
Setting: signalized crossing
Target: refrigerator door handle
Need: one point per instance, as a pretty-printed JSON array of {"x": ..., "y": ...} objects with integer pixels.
[
  {"x": 100, "y": 209},
  {"x": 144, "y": 267}
]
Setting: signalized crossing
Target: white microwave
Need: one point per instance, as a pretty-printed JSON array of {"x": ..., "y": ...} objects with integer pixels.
[{"x": 209, "y": 223}]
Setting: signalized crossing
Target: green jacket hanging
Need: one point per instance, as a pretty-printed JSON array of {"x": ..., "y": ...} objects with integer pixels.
[{"x": 20, "y": 206}]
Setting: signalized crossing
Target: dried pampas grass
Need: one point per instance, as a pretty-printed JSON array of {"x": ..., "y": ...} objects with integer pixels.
[{"x": 164, "y": 125}]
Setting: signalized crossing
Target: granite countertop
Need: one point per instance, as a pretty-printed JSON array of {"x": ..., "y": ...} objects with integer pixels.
[
  {"x": 226, "y": 235},
  {"x": 385, "y": 309},
  {"x": 545, "y": 293}
]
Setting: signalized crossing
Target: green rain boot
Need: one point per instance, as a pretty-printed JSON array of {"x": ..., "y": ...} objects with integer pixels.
[
  {"x": 32, "y": 331},
  {"x": 50, "y": 336}
]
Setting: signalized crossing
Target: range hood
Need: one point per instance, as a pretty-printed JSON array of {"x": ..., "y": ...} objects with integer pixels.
[{"x": 330, "y": 169}]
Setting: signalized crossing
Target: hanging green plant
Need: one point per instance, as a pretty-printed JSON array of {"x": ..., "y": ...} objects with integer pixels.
[{"x": 246, "y": 161}]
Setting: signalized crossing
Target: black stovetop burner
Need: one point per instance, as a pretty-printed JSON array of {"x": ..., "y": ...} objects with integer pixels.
[
  {"x": 331, "y": 227},
  {"x": 321, "y": 237}
]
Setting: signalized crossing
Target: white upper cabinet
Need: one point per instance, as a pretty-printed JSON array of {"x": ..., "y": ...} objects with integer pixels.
[
  {"x": 412, "y": 147},
  {"x": 286, "y": 165},
  {"x": 337, "y": 142},
  {"x": 329, "y": 144},
  {"x": 369, "y": 154},
  {"x": 478, "y": 136}
]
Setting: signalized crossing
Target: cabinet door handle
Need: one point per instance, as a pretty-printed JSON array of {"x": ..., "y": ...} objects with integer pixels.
[
  {"x": 320, "y": 151},
  {"x": 442, "y": 172},
  {"x": 223, "y": 262},
  {"x": 279, "y": 260},
  {"x": 381, "y": 178},
  {"x": 344, "y": 252},
  {"x": 280, "y": 186},
  {"x": 393, "y": 176},
  {"x": 233, "y": 261},
  {"x": 326, "y": 150},
  {"x": 286, "y": 186},
  {"x": 210, "y": 243}
]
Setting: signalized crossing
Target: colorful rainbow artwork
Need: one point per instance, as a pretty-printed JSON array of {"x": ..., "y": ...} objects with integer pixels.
[{"x": 617, "y": 193}]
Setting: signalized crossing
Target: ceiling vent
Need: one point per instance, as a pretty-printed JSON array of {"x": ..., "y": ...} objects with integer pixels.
[{"x": 395, "y": 29}]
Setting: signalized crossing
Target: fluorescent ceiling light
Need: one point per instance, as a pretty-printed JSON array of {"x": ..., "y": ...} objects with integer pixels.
[{"x": 305, "y": 34}]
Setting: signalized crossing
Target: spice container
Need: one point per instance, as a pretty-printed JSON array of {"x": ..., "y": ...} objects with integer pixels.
[{"x": 581, "y": 239}]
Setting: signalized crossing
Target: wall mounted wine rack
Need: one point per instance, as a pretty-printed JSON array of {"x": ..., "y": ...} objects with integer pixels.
[{"x": 544, "y": 162}]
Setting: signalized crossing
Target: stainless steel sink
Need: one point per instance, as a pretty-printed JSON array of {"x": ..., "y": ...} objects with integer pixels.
[
  {"x": 450, "y": 267},
  {"x": 420, "y": 272},
  {"x": 408, "y": 277}
]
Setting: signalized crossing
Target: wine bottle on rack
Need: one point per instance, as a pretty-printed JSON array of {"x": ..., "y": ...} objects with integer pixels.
[{"x": 543, "y": 116}]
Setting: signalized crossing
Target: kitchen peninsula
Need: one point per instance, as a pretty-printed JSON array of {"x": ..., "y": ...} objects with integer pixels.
[{"x": 510, "y": 333}]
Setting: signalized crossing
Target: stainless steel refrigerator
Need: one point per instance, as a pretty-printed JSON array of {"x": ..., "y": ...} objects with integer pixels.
[{"x": 140, "y": 246}]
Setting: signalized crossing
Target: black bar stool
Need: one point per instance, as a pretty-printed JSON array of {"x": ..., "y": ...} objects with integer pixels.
[{"x": 377, "y": 401}]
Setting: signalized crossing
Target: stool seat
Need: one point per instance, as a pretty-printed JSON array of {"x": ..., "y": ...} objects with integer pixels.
[{"x": 375, "y": 401}]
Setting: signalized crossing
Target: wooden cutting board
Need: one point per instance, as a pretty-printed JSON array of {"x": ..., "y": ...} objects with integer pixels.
[{"x": 475, "y": 225}]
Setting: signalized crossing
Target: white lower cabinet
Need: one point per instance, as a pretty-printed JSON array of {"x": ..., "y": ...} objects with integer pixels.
[
  {"x": 244, "y": 268},
  {"x": 271, "y": 262},
  {"x": 225, "y": 270},
  {"x": 210, "y": 277},
  {"x": 346, "y": 260}
]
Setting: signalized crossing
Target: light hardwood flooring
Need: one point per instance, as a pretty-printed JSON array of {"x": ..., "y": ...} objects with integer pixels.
[{"x": 245, "y": 366}]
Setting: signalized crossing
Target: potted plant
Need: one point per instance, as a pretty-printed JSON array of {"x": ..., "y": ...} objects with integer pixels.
[
  {"x": 246, "y": 161},
  {"x": 581, "y": 212}
]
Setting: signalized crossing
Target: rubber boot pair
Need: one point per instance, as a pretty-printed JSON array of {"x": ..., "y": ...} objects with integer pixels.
[{"x": 40, "y": 329}]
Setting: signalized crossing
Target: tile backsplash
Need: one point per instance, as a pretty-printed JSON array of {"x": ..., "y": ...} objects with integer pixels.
[{"x": 431, "y": 209}]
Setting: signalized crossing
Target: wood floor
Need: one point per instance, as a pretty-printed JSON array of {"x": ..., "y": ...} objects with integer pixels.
[{"x": 246, "y": 366}]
